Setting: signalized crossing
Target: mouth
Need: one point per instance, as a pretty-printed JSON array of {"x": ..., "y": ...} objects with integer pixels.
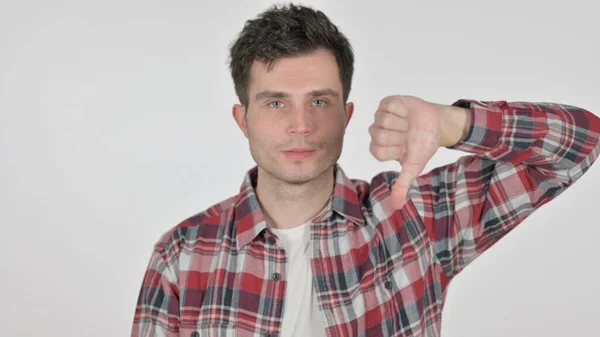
[{"x": 298, "y": 154}]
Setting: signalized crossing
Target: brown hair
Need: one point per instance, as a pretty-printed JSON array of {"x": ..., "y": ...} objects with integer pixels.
[{"x": 287, "y": 31}]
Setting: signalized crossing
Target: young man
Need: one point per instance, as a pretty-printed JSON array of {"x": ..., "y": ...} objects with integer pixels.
[{"x": 303, "y": 250}]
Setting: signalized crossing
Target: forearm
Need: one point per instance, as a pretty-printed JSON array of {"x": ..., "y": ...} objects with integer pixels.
[
  {"x": 560, "y": 141},
  {"x": 522, "y": 156},
  {"x": 455, "y": 122}
]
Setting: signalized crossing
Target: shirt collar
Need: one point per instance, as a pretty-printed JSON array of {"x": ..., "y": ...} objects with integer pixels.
[{"x": 250, "y": 221}]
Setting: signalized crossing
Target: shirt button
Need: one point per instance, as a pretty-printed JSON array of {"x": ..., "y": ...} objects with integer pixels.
[
  {"x": 195, "y": 334},
  {"x": 388, "y": 284},
  {"x": 276, "y": 277},
  {"x": 271, "y": 240}
]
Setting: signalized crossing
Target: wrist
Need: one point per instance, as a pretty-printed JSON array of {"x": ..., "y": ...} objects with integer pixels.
[{"x": 455, "y": 123}]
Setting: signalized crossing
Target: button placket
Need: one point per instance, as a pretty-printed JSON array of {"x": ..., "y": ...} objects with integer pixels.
[{"x": 276, "y": 276}]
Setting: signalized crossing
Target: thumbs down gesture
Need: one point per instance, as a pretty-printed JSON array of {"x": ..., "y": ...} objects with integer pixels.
[{"x": 410, "y": 130}]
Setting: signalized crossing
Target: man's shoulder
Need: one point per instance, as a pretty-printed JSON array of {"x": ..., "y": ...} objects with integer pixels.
[{"x": 206, "y": 224}]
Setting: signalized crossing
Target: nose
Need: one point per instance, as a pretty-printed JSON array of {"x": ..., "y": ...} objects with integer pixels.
[{"x": 301, "y": 121}]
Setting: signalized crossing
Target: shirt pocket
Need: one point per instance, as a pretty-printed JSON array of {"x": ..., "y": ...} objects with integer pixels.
[
  {"x": 374, "y": 287},
  {"x": 212, "y": 329},
  {"x": 406, "y": 287},
  {"x": 376, "y": 296}
]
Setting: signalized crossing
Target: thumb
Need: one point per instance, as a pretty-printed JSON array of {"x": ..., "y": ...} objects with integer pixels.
[{"x": 402, "y": 184}]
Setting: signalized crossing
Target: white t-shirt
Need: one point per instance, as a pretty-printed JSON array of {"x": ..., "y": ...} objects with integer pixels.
[{"x": 301, "y": 315}]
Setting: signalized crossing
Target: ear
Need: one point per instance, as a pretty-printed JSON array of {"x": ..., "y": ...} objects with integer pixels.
[
  {"x": 349, "y": 111},
  {"x": 239, "y": 115}
]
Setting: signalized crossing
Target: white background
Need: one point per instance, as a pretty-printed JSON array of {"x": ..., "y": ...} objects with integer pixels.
[{"x": 115, "y": 125}]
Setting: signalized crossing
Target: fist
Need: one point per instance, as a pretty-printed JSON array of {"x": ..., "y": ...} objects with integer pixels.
[{"x": 406, "y": 129}]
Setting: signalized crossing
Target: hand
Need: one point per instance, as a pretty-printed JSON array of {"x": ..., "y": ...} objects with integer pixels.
[{"x": 407, "y": 129}]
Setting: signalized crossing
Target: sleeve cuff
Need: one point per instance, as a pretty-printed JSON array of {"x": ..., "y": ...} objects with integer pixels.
[{"x": 485, "y": 130}]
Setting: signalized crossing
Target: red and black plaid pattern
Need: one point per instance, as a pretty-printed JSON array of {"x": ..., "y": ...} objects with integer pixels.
[{"x": 377, "y": 271}]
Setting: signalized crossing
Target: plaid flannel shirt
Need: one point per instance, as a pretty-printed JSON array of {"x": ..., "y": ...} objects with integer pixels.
[{"x": 377, "y": 271}]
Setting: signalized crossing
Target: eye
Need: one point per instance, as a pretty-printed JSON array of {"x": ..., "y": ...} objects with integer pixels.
[
  {"x": 276, "y": 104},
  {"x": 319, "y": 102}
]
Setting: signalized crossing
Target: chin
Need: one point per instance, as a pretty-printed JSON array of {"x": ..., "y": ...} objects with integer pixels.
[
  {"x": 303, "y": 173},
  {"x": 297, "y": 180},
  {"x": 296, "y": 176},
  {"x": 293, "y": 174}
]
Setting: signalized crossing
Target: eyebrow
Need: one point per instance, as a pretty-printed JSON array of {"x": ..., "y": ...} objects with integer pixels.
[{"x": 281, "y": 94}]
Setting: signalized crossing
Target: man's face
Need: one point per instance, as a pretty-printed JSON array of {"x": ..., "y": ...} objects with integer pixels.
[{"x": 296, "y": 119}]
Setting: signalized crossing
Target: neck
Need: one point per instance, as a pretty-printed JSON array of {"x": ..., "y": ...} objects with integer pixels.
[{"x": 290, "y": 205}]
